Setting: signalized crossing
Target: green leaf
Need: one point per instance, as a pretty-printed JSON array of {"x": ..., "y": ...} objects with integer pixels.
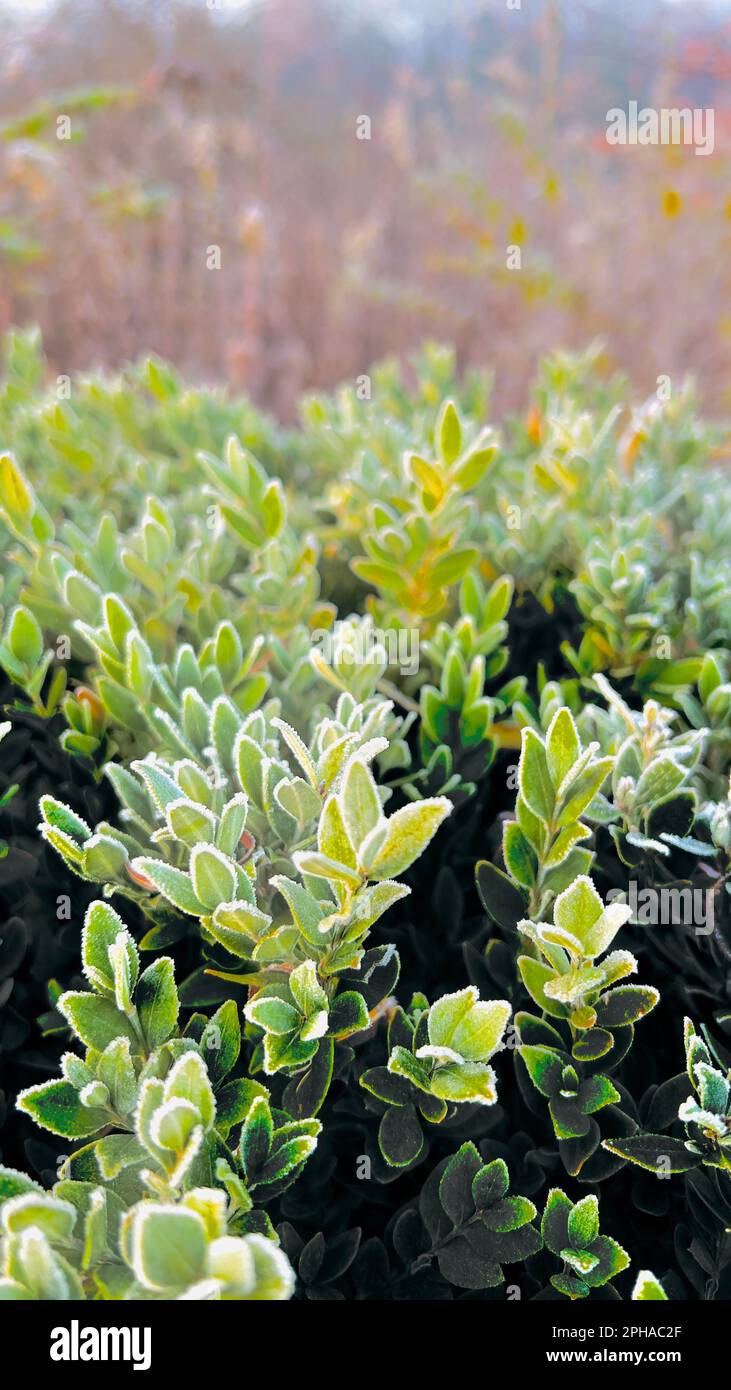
[
  {"x": 231, "y": 824},
  {"x": 220, "y": 1041},
  {"x": 464, "y": 1082},
  {"x": 577, "y": 863},
  {"x": 213, "y": 876},
  {"x": 104, "y": 858},
  {"x": 287, "y": 1053},
  {"x": 467, "y": 1025},
  {"x": 584, "y": 1223},
  {"x": 307, "y": 991},
  {"x": 168, "y": 1246},
  {"x": 19, "y": 504},
  {"x": 287, "y": 1156},
  {"x": 520, "y": 857},
  {"x": 589, "y": 1046},
  {"x": 174, "y": 884},
  {"x": 545, "y": 1068},
  {"x": 713, "y": 1088},
  {"x": 570, "y": 835},
  {"x": 710, "y": 678},
  {"x": 567, "y": 1284},
  {"x": 409, "y": 831},
  {"x": 296, "y": 797},
  {"x": 238, "y": 926},
  {"x": 115, "y": 1069},
  {"x": 455, "y": 1184},
  {"x": 55, "y": 1105},
  {"x": 562, "y": 745},
  {"x": 161, "y": 787},
  {"x": 306, "y": 911},
  {"x": 400, "y": 1138},
  {"x": 580, "y": 792},
  {"x": 659, "y": 1153},
  {"x": 256, "y": 1137},
  {"x": 490, "y": 1185},
  {"x": 624, "y": 1005},
  {"x": 580, "y": 911},
  {"x": 320, "y": 866},
  {"x": 115, "y": 1152},
  {"x": 580, "y": 1260},
  {"x": 103, "y": 929},
  {"x": 54, "y": 1217},
  {"x": 97, "y": 1022},
  {"x": 502, "y": 900},
  {"x": 570, "y": 1123},
  {"x": 10, "y": 1291},
  {"x": 14, "y": 1184},
  {"x": 190, "y": 822},
  {"x": 227, "y": 651},
  {"x": 188, "y": 1079},
  {"x": 536, "y": 975},
  {"x": 659, "y": 780},
  {"x": 472, "y": 470},
  {"x": 273, "y": 1015},
  {"x": 253, "y": 1268},
  {"x": 41, "y": 1269},
  {"x": 595, "y": 1093},
  {"x": 404, "y": 1064},
  {"x": 273, "y": 509},
  {"x": 333, "y": 839},
  {"x": 61, "y": 817},
  {"x": 359, "y": 802},
  {"x": 534, "y": 778},
  {"x": 174, "y": 1125},
  {"x": 509, "y": 1215},
  {"x": 378, "y": 574},
  {"x": 122, "y": 705},
  {"x": 448, "y": 433},
  {"x": 305, "y": 1093},
  {"x": 118, "y": 619},
  {"x": 129, "y": 791},
  {"x": 612, "y": 1259},
  {"x": 233, "y": 1103},
  {"x": 461, "y": 1265},
  {"x": 647, "y": 1287},
  {"x": 156, "y": 999},
  {"x": 348, "y": 1014},
  {"x": 25, "y": 637},
  {"x": 426, "y": 475},
  {"x": 298, "y": 748},
  {"x": 555, "y": 1221}
]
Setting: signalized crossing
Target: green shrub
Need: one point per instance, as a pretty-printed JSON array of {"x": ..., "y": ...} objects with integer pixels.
[{"x": 418, "y": 737}]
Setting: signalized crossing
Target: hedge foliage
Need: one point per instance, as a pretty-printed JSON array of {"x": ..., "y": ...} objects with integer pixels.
[{"x": 381, "y": 774}]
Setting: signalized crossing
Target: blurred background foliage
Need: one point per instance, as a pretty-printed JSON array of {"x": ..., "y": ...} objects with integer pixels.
[{"x": 199, "y": 123}]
